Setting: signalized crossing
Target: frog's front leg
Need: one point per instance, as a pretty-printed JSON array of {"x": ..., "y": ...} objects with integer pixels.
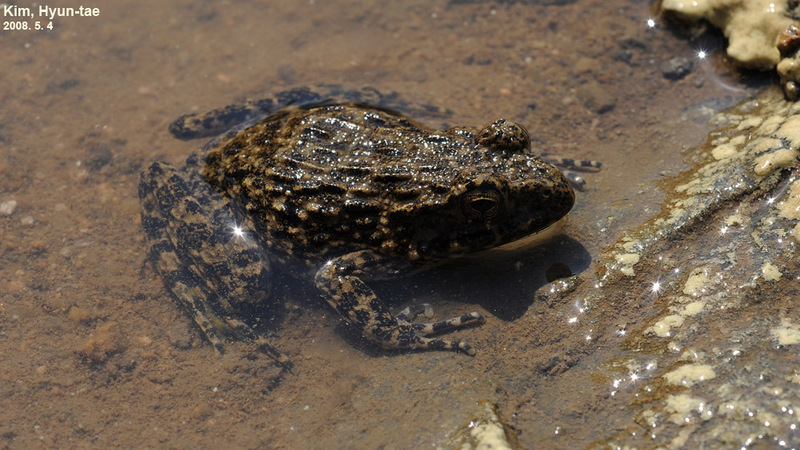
[{"x": 358, "y": 304}]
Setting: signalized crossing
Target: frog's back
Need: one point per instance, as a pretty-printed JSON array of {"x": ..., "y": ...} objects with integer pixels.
[{"x": 338, "y": 177}]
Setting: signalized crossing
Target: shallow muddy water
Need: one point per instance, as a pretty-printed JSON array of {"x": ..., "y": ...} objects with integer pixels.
[{"x": 694, "y": 344}]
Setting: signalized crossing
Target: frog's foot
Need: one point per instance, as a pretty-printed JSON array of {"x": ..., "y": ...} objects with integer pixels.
[
  {"x": 211, "y": 325},
  {"x": 406, "y": 336},
  {"x": 442, "y": 326},
  {"x": 246, "y": 331},
  {"x": 569, "y": 166},
  {"x": 195, "y": 301},
  {"x": 359, "y": 305},
  {"x": 409, "y": 313},
  {"x": 241, "y": 331}
]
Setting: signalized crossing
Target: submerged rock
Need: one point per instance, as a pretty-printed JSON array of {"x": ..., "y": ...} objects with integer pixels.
[
  {"x": 712, "y": 355},
  {"x": 485, "y": 429}
]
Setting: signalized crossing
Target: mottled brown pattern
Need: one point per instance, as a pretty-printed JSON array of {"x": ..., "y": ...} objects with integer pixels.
[
  {"x": 351, "y": 175},
  {"x": 350, "y": 191}
]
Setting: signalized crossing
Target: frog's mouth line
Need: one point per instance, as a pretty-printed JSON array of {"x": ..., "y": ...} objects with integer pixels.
[{"x": 529, "y": 241}]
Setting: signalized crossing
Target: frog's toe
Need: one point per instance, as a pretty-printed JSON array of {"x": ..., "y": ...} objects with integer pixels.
[
  {"x": 408, "y": 314},
  {"x": 464, "y": 320},
  {"x": 424, "y": 343},
  {"x": 414, "y": 336},
  {"x": 209, "y": 330},
  {"x": 278, "y": 356},
  {"x": 243, "y": 331}
]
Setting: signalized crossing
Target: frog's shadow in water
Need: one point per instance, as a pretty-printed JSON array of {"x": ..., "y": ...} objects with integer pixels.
[{"x": 505, "y": 288}]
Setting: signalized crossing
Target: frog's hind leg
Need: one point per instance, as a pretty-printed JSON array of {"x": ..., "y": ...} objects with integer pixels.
[
  {"x": 570, "y": 166},
  {"x": 232, "y": 117},
  {"x": 358, "y": 304},
  {"x": 208, "y": 269},
  {"x": 217, "y": 121},
  {"x": 220, "y": 120},
  {"x": 162, "y": 252},
  {"x": 181, "y": 282}
]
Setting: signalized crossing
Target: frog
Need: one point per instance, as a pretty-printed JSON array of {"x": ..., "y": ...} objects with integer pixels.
[{"x": 338, "y": 188}]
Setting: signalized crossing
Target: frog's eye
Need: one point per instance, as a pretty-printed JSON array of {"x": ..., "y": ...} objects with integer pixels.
[{"x": 482, "y": 203}]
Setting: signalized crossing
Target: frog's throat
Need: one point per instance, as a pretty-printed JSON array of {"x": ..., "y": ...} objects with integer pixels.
[{"x": 529, "y": 241}]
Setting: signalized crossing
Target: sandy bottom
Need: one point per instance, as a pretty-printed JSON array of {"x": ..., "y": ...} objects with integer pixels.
[{"x": 95, "y": 354}]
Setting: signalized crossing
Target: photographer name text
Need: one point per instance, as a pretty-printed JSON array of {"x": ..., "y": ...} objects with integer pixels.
[{"x": 41, "y": 17}]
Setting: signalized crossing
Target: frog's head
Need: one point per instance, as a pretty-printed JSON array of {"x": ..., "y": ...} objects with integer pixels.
[
  {"x": 505, "y": 194},
  {"x": 491, "y": 209}
]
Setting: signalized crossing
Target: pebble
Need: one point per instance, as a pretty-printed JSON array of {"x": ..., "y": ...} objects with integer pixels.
[
  {"x": 596, "y": 98},
  {"x": 7, "y": 207},
  {"x": 106, "y": 341},
  {"x": 676, "y": 68},
  {"x": 79, "y": 315}
]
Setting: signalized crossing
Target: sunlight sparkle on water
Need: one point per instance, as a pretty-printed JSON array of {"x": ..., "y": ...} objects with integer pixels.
[
  {"x": 651, "y": 23},
  {"x": 237, "y": 231},
  {"x": 656, "y": 287}
]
